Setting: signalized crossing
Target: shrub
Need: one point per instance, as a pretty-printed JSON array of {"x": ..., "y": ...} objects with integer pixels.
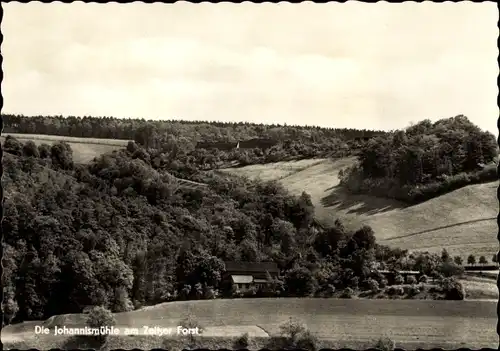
[
  {"x": 395, "y": 290},
  {"x": 398, "y": 279},
  {"x": 453, "y": 289},
  {"x": 242, "y": 342},
  {"x": 300, "y": 282},
  {"x": 191, "y": 322},
  {"x": 328, "y": 291},
  {"x": 122, "y": 301},
  {"x": 438, "y": 276},
  {"x": 385, "y": 344},
  {"x": 383, "y": 283},
  {"x": 307, "y": 341},
  {"x": 30, "y": 149},
  {"x": 292, "y": 329},
  {"x": 372, "y": 285},
  {"x": 10, "y": 309},
  {"x": 209, "y": 293},
  {"x": 238, "y": 294},
  {"x": 98, "y": 317},
  {"x": 423, "y": 279},
  {"x": 354, "y": 282},
  {"x": 411, "y": 280},
  {"x": 413, "y": 291},
  {"x": 347, "y": 293},
  {"x": 251, "y": 292},
  {"x": 44, "y": 150},
  {"x": 298, "y": 336},
  {"x": 13, "y": 146}
]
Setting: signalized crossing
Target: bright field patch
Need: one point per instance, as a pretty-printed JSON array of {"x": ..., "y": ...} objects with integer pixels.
[
  {"x": 84, "y": 149},
  {"x": 462, "y": 221},
  {"x": 273, "y": 171},
  {"x": 480, "y": 288}
]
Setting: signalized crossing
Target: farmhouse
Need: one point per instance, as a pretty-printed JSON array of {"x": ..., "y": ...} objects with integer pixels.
[
  {"x": 391, "y": 275},
  {"x": 249, "y": 274}
]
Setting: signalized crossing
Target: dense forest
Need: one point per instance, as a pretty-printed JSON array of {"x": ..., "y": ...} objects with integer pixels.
[
  {"x": 425, "y": 160},
  {"x": 122, "y": 232},
  {"x": 292, "y": 142}
]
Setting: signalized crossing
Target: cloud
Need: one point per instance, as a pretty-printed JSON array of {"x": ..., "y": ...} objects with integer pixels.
[{"x": 343, "y": 65}]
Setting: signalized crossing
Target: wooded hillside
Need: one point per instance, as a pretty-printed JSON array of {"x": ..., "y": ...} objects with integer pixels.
[
  {"x": 121, "y": 232},
  {"x": 425, "y": 160},
  {"x": 289, "y": 142}
]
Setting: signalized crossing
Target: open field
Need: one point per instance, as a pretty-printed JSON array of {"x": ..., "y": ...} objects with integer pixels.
[
  {"x": 463, "y": 221},
  {"x": 274, "y": 171},
  {"x": 84, "y": 149},
  {"x": 480, "y": 287},
  {"x": 425, "y": 323},
  {"x": 490, "y": 275}
]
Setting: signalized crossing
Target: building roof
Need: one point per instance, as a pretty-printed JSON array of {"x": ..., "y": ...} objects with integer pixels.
[
  {"x": 251, "y": 267},
  {"x": 242, "y": 279}
]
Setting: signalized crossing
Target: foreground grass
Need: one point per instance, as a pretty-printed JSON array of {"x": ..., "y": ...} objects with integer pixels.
[
  {"x": 256, "y": 343},
  {"x": 462, "y": 221},
  {"x": 340, "y": 323}
]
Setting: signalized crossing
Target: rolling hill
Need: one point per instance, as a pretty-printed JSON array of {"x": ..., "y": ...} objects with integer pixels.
[{"x": 463, "y": 221}]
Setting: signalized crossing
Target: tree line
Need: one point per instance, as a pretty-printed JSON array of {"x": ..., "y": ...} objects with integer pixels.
[
  {"x": 425, "y": 160},
  {"x": 292, "y": 142},
  {"x": 122, "y": 232}
]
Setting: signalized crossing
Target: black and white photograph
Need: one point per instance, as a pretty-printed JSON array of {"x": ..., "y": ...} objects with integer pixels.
[{"x": 250, "y": 176}]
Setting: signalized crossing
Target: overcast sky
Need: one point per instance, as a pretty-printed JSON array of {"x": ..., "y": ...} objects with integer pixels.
[{"x": 356, "y": 65}]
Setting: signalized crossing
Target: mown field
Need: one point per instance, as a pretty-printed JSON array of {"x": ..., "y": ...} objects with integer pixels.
[
  {"x": 84, "y": 149},
  {"x": 410, "y": 323},
  {"x": 463, "y": 221}
]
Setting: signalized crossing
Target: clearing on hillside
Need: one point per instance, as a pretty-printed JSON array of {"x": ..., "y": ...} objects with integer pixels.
[
  {"x": 84, "y": 149},
  {"x": 273, "y": 171},
  {"x": 462, "y": 221}
]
